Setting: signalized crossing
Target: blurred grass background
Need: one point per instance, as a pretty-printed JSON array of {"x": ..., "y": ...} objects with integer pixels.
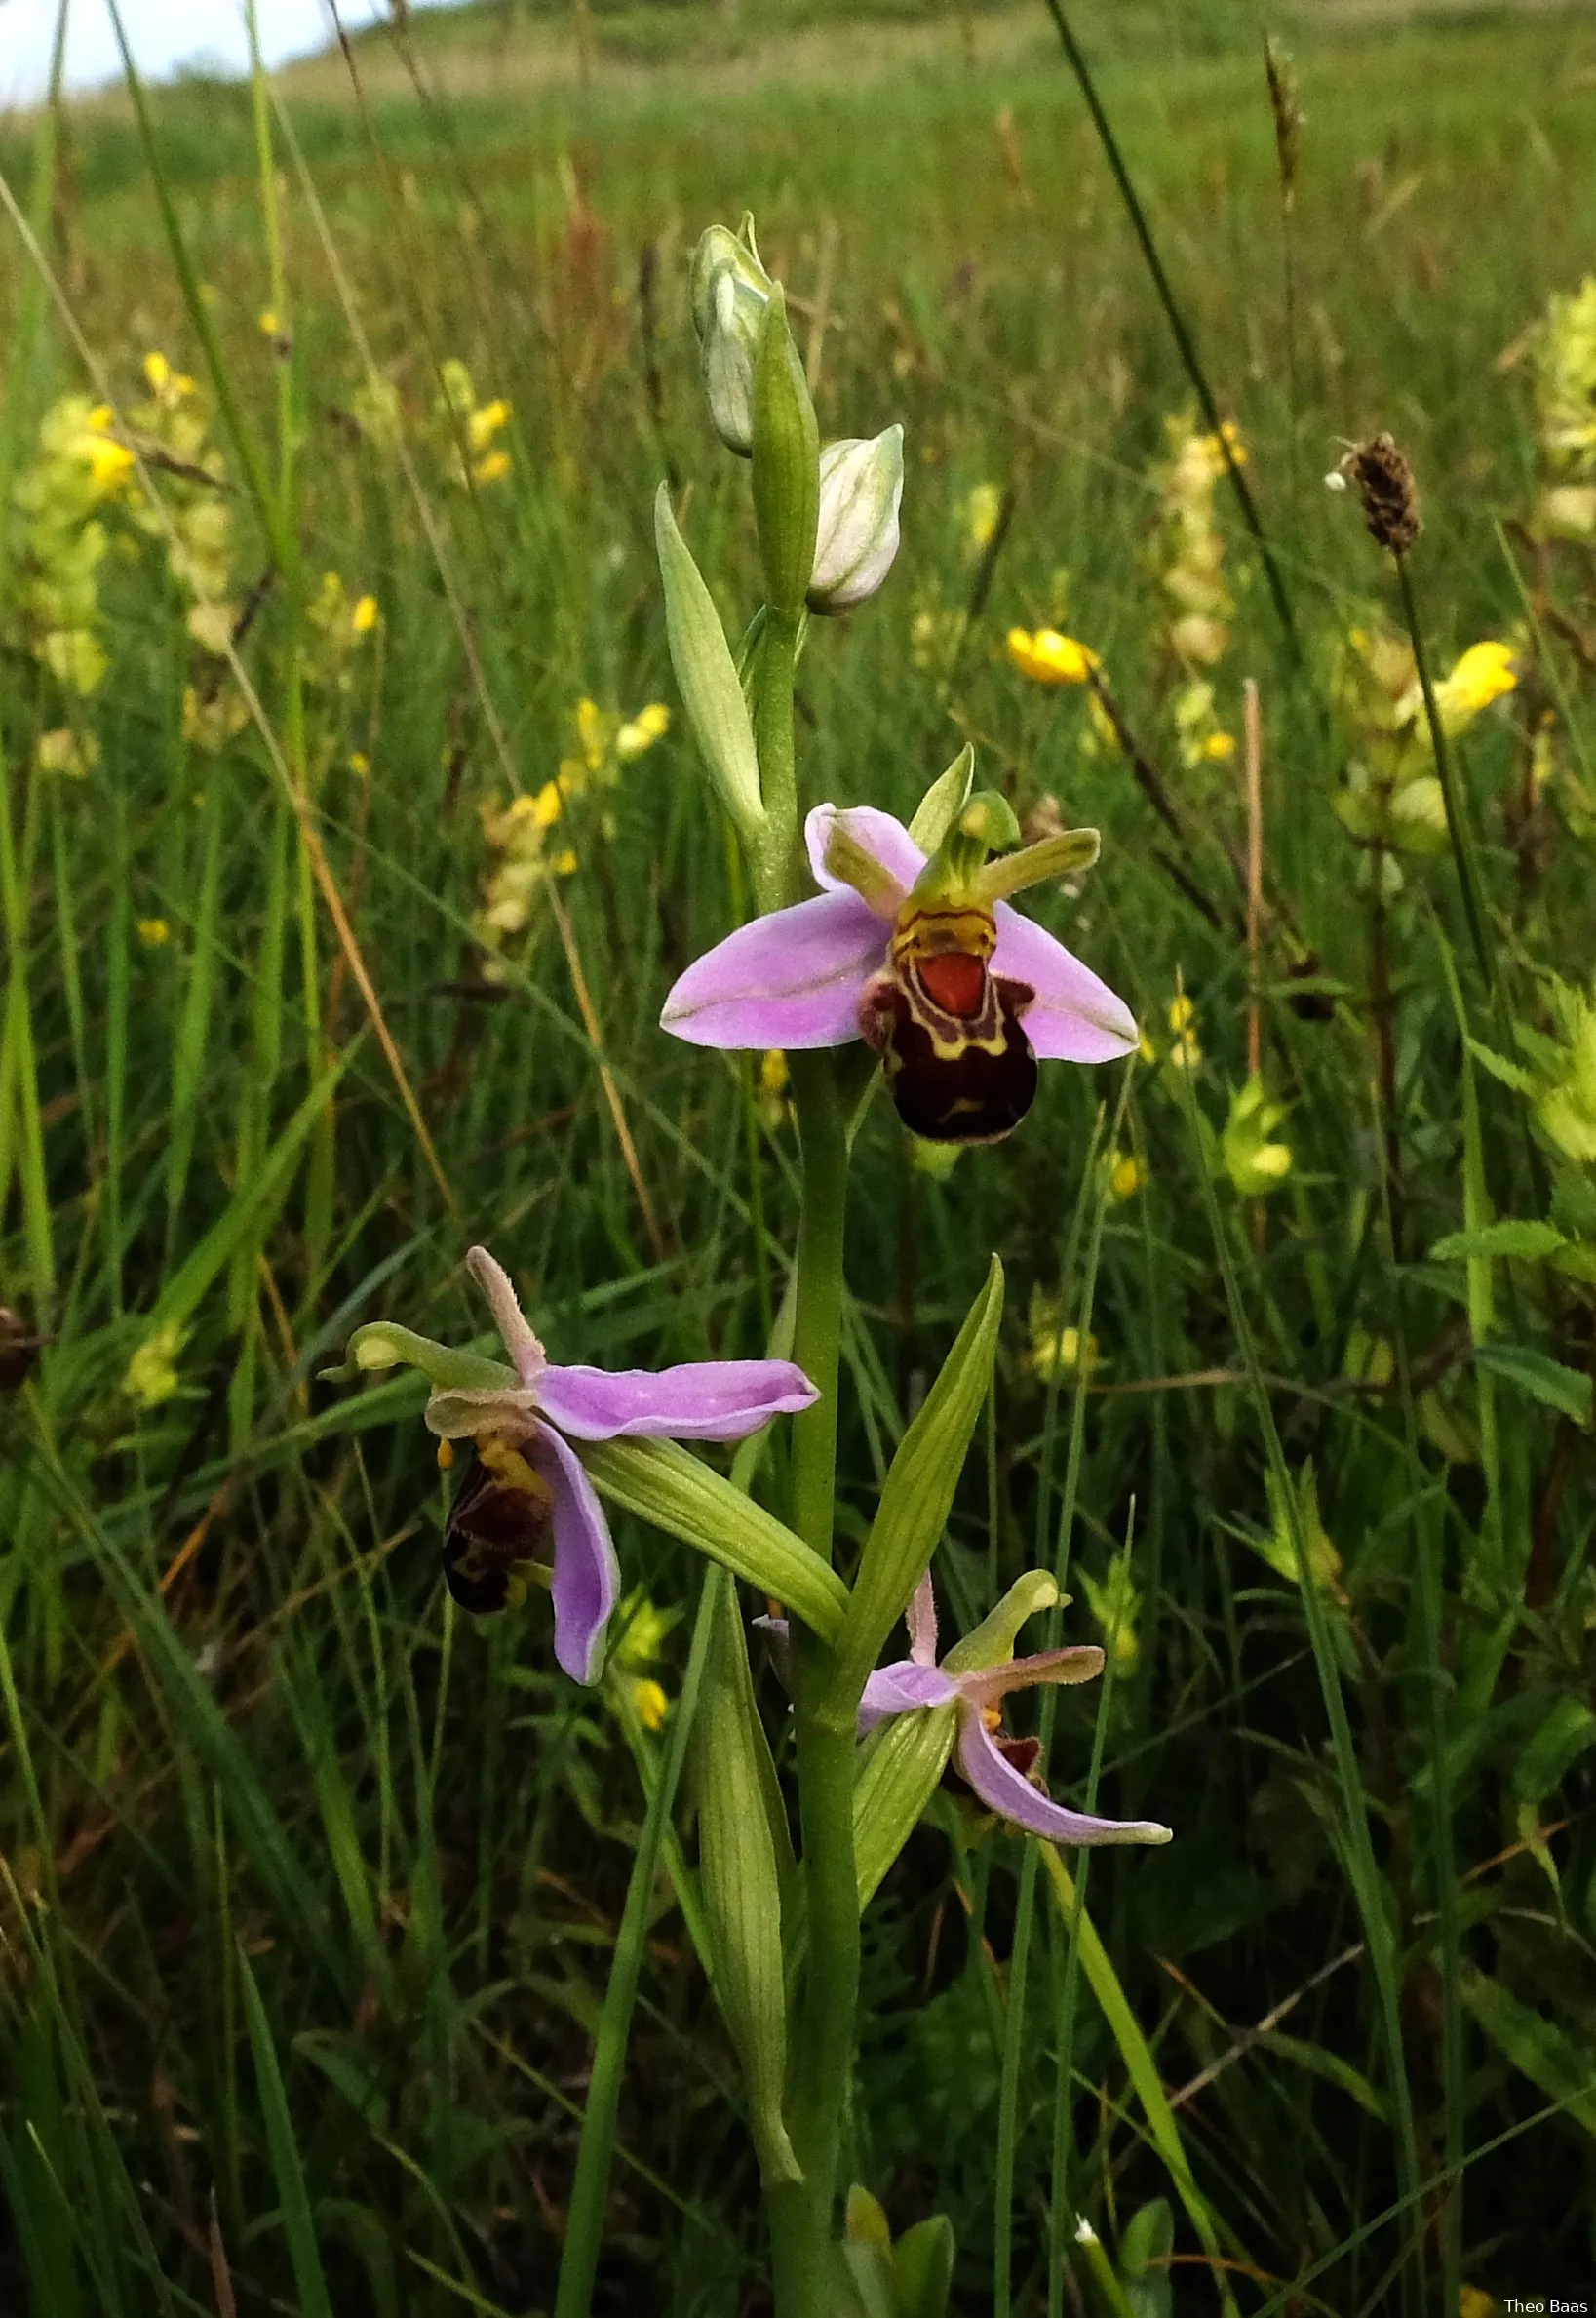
[{"x": 310, "y": 1885}]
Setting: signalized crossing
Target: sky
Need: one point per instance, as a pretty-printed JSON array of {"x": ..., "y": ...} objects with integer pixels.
[{"x": 163, "y": 34}]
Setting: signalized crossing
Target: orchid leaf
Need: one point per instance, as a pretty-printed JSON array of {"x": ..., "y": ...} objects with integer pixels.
[
  {"x": 922, "y": 2268},
  {"x": 664, "y": 1486},
  {"x": 917, "y": 1495},
  {"x": 899, "y": 1769},
  {"x": 740, "y": 1881}
]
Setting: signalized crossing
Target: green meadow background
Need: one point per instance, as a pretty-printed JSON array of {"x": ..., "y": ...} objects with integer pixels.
[{"x": 309, "y": 1885}]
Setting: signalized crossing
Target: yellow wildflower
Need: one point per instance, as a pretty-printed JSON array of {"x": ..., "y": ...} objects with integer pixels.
[
  {"x": 108, "y": 462},
  {"x": 364, "y": 616},
  {"x": 1220, "y": 747},
  {"x": 1049, "y": 658},
  {"x": 563, "y": 864},
  {"x": 1474, "y": 2302},
  {"x": 773, "y": 1104},
  {"x": 1485, "y": 672},
  {"x": 151, "y": 1375},
  {"x": 1126, "y": 1176},
  {"x": 546, "y": 806},
  {"x": 635, "y": 737},
  {"x": 651, "y": 1703},
  {"x": 1054, "y": 1351},
  {"x": 360, "y": 764},
  {"x": 157, "y": 369},
  {"x": 67, "y": 752},
  {"x": 1116, "y": 1602},
  {"x": 485, "y": 423},
  {"x": 493, "y": 468},
  {"x": 592, "y": 733},
  {"x": 153, "y": 933},
  {"x": 982, "y": 507},
  {"x": 1256, "y": 1165},
  {"x": 270, "y": 324},
  {"x": 1186, "y": 1051}
]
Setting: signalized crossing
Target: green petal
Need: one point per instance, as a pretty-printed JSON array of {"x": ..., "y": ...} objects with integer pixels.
[
  {"x": 383, "y": 1343},
  {"x": 993, "y": 1641}
]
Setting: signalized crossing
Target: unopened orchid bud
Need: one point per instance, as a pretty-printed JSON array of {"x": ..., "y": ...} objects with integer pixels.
[
  {"x": 730, "y": 290},
  {"x": 861, "y": 490}
]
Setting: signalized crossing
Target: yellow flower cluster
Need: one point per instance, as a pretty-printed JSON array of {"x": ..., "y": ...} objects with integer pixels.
[
  {"x": 1256, "y": 1163},
  {"x": 641, "y": 1628},
  {"x": 197, "y": 535},
  {"x": 79, "y": 466},
  {"x": 1116, "y": 1602},
  {"x": 473, "y": 456},
  {"x": 1186, "y": 1053},
  {"x": 977, "y": 518},
  {"x": 1191, "y": 548},
  {"x": 1054, "y": 1351},
  {"x": 1392, "y": 797},
  {"x": 775, "y": 1104},
  {"x": 1566, "y": 413},
  {"x": 518, "y": 833}
]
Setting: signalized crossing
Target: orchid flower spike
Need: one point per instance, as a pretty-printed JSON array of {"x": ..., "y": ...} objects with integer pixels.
[
  {"x": 528, "y": 1495},
  {"x": 922, "y": 958},
  {"x": 975, "y": 1678}
]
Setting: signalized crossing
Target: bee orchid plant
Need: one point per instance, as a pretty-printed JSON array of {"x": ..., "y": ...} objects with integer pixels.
[{"x": 901, "y": 940}]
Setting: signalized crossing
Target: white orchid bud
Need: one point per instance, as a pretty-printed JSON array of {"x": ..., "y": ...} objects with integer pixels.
[
  {"x": 730, "y": 290},
  {"x": 861, "y": 490}
]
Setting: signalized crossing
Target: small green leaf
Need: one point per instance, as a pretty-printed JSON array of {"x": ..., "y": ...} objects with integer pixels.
[
  {"x": 707, "y": 674},
  {"x": 899, "y": 1768},
  {"x": 917, "y": 1495},
  {"x": 922, "y": 2268},
  {"x": 1529, "y": 1242},
  {"x": 740, "y": 1883},
  {"x": 1511, "y": 1073},
  {"x": 1145, "y": 2245},
  {"x": 1537, "y": 2047},
  {"x": 1541, "y": 1376},
  {"x": 1567, "y": 1730},
  {"x": 665, "y": 1486}
]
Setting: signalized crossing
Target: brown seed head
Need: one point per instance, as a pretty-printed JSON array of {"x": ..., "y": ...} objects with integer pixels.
[{"x": 1383, "y": 481}]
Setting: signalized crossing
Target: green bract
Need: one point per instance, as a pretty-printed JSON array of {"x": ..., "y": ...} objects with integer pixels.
[
  {"x": 707, "y": 674},
  {"x": 916, "y": 1497},
  {"x": 666, "y": 1487},
  {"x": 785, "y": 463},
  {"x": 741, "y": 1882}
]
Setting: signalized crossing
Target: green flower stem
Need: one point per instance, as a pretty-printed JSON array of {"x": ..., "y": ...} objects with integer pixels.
[
  {"x": 1460, "y": 828},
  {"x": 777, "y": 860},
  {"x": 823, "y": 2038},
  {"x": 585, "y": 2220}
]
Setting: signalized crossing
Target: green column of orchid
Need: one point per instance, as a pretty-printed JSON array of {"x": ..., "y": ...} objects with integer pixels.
[{"x": 785, "y": 501}]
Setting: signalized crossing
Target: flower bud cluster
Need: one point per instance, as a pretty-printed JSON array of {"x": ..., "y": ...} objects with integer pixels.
[
  {"x": 861, "y": 479},
  {"x": 79, "y": 467},
  {"x": 1566, "y": 414},
  {"x": 1391, "y": 797}
]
